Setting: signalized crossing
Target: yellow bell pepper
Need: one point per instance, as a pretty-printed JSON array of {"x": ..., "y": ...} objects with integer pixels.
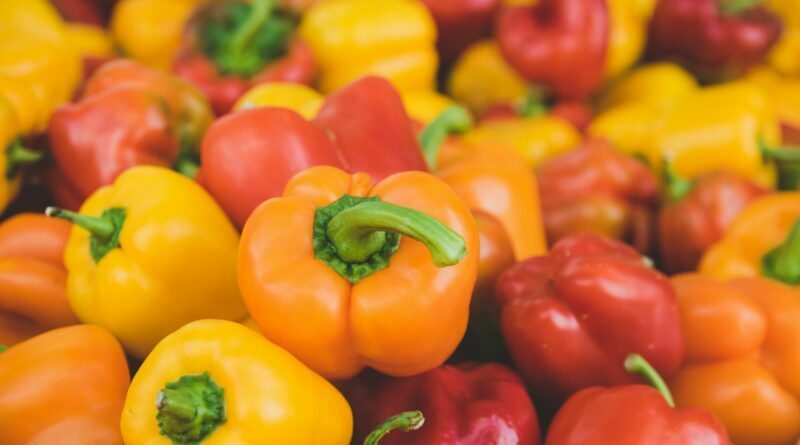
[
  {"x": 658, "y": 84},
  {"x": 89, "y": 40},
  {"x": 217, "y": 382},
  {"x": 150, "y": 31},
  {"x": 748, "y": 247},
  {"x": 425, "y": 105},
  {"x": 481, "y": 78},
  {"x": 627, "y": 34},
  {"x": 783, "y": 93},
  {"x": 784, "y": 55},
  {"x": 294, "y": 96},
  {"x": 394, "y": 39},
  {"x": 148, "y": 254},
  {"x": 537, "y": 139},
  {"x": 29, "y": 108}
]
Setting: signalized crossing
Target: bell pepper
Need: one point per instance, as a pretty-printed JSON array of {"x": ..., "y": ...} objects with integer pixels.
[
  {"x": 40, "y": 48},
  {"x": 784, "y": 95},
  {"x": 597, "y": 189},
  {"x": 362, "y": 127},
  {"x": 30, "y": 110},
  {"x": 218, "y": 382},
  {"x": 13, "y": 155},
  {"x": 394, "y": 39},
  {"x": 65, "y": 386},
  {"x": 659, "y": 83},
  {"x": 424, "y": 106},
  {"x": 560, "y": 44},
  {"x": 150, "y": 31},
  {"x": 150, "y": 241},
  {"x": 762, "y": 241},
  {"x": 460, "y": 23},
  {"x": 33, "y": 298},
  {"x": 90, "y": 12},
  {"x": 232, "y": 46},
  {"x": 129, "y": 115},
  {"x": 467, "y": 404},
  {"x": 401, "y": 318},
  {"x": 296, "y": 97},
  {"x": 741, "y": 356},
  {"x": 570, "y": 318},
  {"x": 783, "y": 55},
  {"x": 697, "y": 214},
  {"x": 717, "y": 38},
  {"x": 482, "y": 78},
  {"x": 93, "y": 44},
  {"x": 633, "y": 415},
  {"x": 576, "y": 112},
  {"x": 627, "y": 33}
]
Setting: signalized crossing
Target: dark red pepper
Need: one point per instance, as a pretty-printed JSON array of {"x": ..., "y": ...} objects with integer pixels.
[
  {"x": 570, "y": 318},
  {"x": 715, "y": 38},
  {"x": 93, "y": 12},
  {"x": 597, "y": 189},
  {"x": 231, "y": 46},
  {"x": 467, "y": 404},
  {"x": 633, "y": 415},
  {"x": 559, "y": 44},
  {"x": 459, "y": 24},
  {"x": 698, "y": 214}
]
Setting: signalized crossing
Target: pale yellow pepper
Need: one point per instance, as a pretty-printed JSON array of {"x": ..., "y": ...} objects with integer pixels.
[{"x": 300, "y": 98}]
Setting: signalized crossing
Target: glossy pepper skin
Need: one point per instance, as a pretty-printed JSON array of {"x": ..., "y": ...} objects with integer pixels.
[
  {"x": 296, "y": 97},
  {"x": 597, "y": 189},
  {"x": 466, "y": 404},
  {"x": 394, "y": 39},
  {"x": 718, "y": 38},
  {"x": 225, "y": 60},
  {"x": 218, "y": 382},
  {"x": 766, "y": 225},
  {"x": 129, "y": 115},
  {"x": 362, "y": 127},
  {"x": 560, "y": 44},
  {"x": 460, "y": 23},
  {"x": 627, "y": 34},
  {"x": 359, "y": 313},
  {"x": 157, "y": 240},
  {"x": 570, "y": 318},
  {"x": 741, "y": 356},
  {"x": 697, "y": 215},
  {"x": 64, "y": 386},
  {"x": 33, "y": 296}
]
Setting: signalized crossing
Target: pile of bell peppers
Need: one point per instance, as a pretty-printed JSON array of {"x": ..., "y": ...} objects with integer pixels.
[{"x": 428, "y": 222}]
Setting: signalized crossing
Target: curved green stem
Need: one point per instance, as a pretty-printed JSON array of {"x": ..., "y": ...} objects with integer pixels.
[
  {"x": 787, "y": 161},
  {"x": 18, "y": 155},
  {"x": 533, "y": 105},
  {"x": 676, "y": 186},
  {"x": 783, "y": 262},
  {"x": 190, "y": 408},
  {"x": 259, "y": 14},
  {"x": 357, "y": 232},
  {"x": 734, "y": 7},
  {"x": 104, "y": 230},
  {"x": 635, "y": 363},
  {"x": 453, "y": 120},
  {"x": 405, "y": 421}
]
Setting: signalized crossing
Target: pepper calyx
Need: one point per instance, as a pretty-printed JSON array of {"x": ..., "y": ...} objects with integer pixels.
[
  {"x": 104, "y": 230},
  {"x": 190, "y": 408}
]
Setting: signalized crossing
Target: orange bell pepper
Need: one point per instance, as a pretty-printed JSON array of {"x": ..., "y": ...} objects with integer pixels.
[
  {"x": 66, "y": 386},
  {"x": 319, "y": 258},
  {"x": 763, "y": 240},
  {"x": 742, "y": 356},
  {"x": 33, "y": 295}
]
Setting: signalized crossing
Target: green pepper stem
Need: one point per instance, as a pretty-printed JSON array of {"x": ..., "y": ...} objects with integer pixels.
[
  {"x": 783, "y": 262},
  {"x": 190, "y": 409},
  {"x": 405, "y": 421},
  {"x": 453, "y": 120},
  {"x": 533, "y": 104},
  {"x": 637, "y": 364},
  {"x": 676, "y": 186},
  {"x": 175, "y": 404},
  {"x": 187, "y": 167},
  {"x": 733, "y": 7},
  {"x": 359, "y": 231},
  {"x": 259, "y": 14},
  {"x": 3, "y": 348},
  {"x": 787, "y": 161},
  {"x": 18, "y": 155},
  {"x": 100, "y": 227}
]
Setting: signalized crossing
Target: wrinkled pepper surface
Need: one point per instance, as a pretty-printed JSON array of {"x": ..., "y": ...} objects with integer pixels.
[
  {"x": 33, "y": 296},
  {"x": 466, "y": 404},
  {"x": 65, "y": 386},
  {"x": 570, "y": 318},
  {"x": 741, "y": 356},
  {"x": 229, "y": 47},
  {"x": 358, "y": 309},
  {"x": 217, "y": 382},
  {"x": 148, "y": 254}
]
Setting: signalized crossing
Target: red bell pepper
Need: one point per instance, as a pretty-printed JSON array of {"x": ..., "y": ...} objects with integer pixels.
[
  {"x": 560, "y": 44},
  {"x": 231, "y": 46},
  {"x": 699, "y": 213},
  {"x": 716, "y": 38},
  {"x": 570, "y": 318},
  {"x": 597, "y": 189},
  {"x": 93, "y": 12},
  {"x": 249, "y": 156},
  {"x": 467, "y": 404},
  {"x": 129, "y": 115},
  {"x": 459, "y": 24},
  {"x": 633, "y": 415}
]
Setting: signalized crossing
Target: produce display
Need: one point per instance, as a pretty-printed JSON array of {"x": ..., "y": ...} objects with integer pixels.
[{"x": 400, "y": 222}]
